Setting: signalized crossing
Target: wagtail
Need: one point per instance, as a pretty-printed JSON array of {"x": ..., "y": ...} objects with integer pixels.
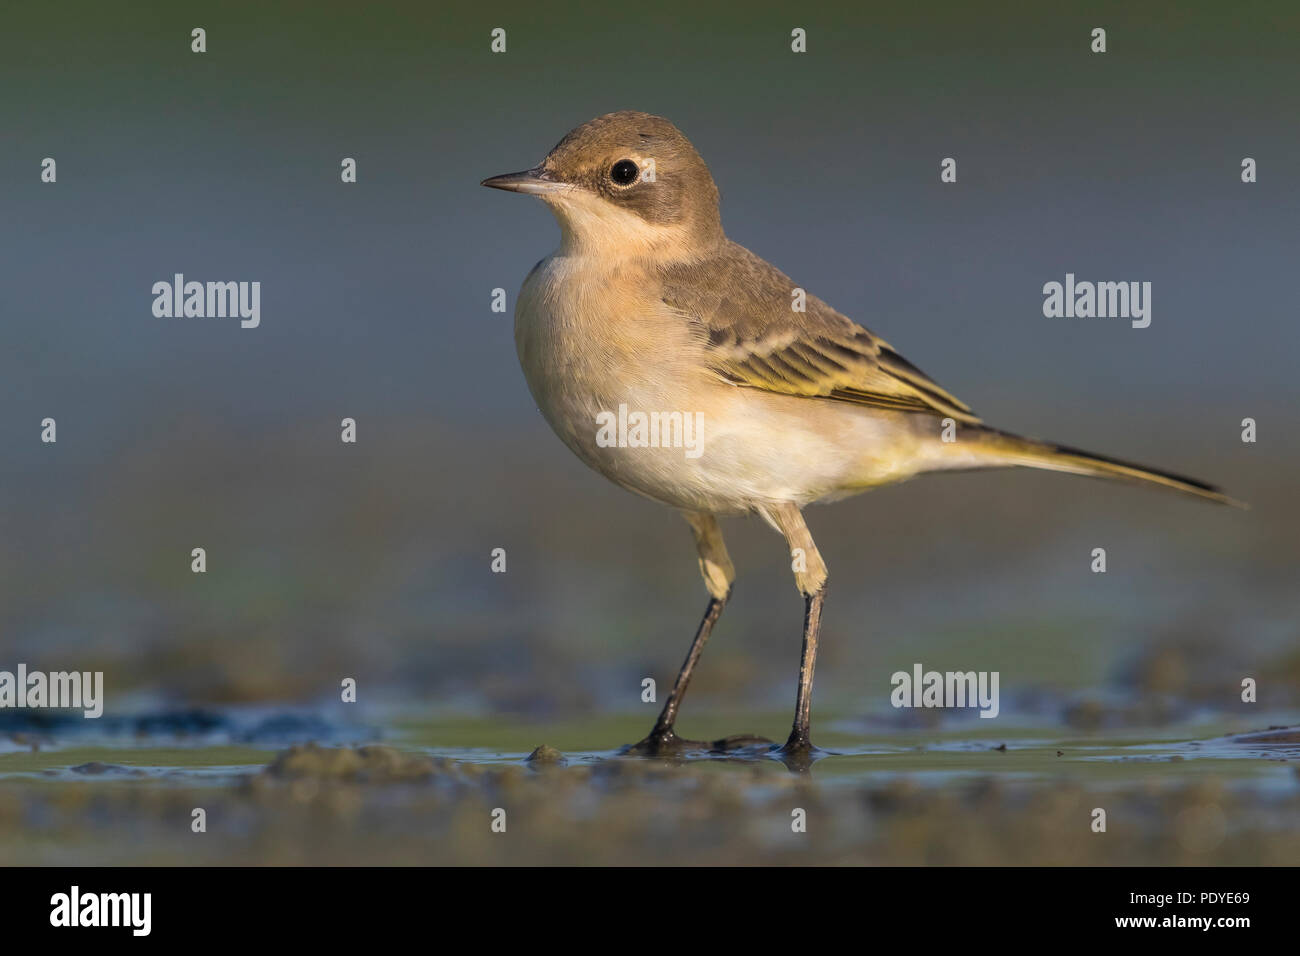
[{"x": 648, "y": 320}]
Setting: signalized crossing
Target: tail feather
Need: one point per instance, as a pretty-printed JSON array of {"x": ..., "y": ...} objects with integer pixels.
[{"x": 1013, "y": 451}]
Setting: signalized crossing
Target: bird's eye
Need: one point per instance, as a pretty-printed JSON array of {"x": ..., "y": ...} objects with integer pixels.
[{"x": 624, "y": 172}]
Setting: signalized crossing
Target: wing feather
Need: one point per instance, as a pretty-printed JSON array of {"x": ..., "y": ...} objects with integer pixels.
[{"x": 753, "y": 338}]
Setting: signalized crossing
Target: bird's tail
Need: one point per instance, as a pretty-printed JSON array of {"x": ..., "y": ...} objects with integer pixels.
[{"x": 1001, "y": 449}]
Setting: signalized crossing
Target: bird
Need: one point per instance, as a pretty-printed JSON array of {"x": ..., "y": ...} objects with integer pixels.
[{"x": 648, "y": 322}]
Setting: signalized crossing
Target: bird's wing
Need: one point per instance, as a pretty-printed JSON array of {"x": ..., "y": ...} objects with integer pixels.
[{"x": 754, "y": 338}]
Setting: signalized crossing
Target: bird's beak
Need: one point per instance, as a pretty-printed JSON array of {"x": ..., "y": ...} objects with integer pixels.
[{"x": 535, "y": 181}]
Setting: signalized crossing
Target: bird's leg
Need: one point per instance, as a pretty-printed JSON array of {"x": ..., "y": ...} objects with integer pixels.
[
  {"x": 663, "y": 737},
  {"x": 718, "y": 572},
  {"x": 800, "y": 733},
  {"x": 810, "y": 577}
]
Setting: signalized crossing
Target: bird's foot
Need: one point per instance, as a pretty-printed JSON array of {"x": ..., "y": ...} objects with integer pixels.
[
  {"x": 798, "y": 752},
  {"x": 663, "y": 742},
  {"x": 740, "y": 742}
]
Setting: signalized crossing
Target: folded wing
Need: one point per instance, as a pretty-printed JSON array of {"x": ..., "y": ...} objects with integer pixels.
[{"x": 756, "y": 339}]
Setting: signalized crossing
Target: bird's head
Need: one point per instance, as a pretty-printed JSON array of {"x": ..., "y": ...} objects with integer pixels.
[{"x": 625, "y": 184}]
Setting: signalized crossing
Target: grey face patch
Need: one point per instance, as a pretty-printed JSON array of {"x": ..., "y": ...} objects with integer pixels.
[{"x": 660, "y": 201}]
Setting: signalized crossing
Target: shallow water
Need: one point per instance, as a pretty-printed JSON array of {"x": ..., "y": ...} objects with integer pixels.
[{"x": 282, "y": 786}]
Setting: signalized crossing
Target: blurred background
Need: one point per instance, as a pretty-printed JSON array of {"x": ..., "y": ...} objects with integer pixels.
[{"x": 328, "y": 560}]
